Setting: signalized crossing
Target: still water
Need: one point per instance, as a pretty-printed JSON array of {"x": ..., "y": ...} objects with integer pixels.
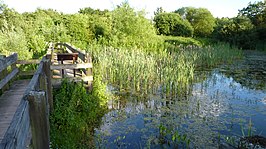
[{"x": 225, "y": 104}]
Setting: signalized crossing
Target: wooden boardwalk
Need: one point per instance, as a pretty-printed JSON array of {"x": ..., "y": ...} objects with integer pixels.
[
  {"x": 9, "y": 102},
  {"x": 25, "y": 106}
]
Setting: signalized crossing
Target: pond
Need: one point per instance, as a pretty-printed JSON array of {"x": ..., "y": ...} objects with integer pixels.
[{"x": 225, "y": 104}]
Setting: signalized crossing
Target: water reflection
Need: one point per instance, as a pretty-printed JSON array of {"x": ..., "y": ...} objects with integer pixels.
[{"x": 218, "y": 107}]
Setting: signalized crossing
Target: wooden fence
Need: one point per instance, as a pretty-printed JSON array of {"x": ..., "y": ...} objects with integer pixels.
[
  {"x": 6, "y": 77},
  {"x": 7, "y": 74},
  {"x": 31, "y": 119},
  {"x": 33, "y": 110}
]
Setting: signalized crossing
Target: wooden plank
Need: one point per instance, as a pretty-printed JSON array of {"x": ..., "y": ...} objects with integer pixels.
[
  {"x": 11, "y": 75},
  {"x": 27, "y": 73},
  {"x": 18, "y": 131},
  {"x": 4, "y": 63},
  {"x": 71, "y": 66},
  {"x": 39, "y": 120},
  {"x": 23, "y": 129},
  {"x": 33, "y": 61},
  {"x": 18, "y": 123}
]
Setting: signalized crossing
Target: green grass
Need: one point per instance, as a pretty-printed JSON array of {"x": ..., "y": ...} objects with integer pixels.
[{"x": 177, "y": 40}]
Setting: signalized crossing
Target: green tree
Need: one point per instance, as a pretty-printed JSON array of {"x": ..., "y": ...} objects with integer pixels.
[
  {"x": 172, "y": 24},
  {"x": 131, "y": 28},
  {"x": 256, "y": 12},
  {"x": 237, "y": 31},
  {"x": 79, "y": 30},
  {"x": 158, "y": 11},
  {"x": 201, "y": 20},
  {"x": 247, "y": 30},
  {"x": 91, "y": 11}
]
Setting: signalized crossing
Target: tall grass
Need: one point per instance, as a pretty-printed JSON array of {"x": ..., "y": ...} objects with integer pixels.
[
  {"x": 168, "y": 72},
  {"x": 137, "y": 71},
  {"x": 214, "y": 55}
]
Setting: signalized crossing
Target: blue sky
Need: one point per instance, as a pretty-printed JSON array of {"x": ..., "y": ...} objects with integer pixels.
[{"x": 219, "y": 8}]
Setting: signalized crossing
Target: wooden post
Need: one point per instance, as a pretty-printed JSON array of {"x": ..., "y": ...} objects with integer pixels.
[
  {"x": 74, "y": 62},
  {"x": 42, "y": 82},
  {"x": 62, "y": 62},
  {"x": 39, "y": 119},
  {"x": 3, "y": 75},
  {"x": 49, "y": 91}
]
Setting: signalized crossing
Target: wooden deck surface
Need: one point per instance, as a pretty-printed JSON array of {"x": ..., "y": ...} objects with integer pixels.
[{"x": 9, "y": 102}]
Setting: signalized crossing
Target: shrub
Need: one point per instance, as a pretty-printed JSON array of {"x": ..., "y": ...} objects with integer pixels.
[{"x": 172, "y": 24}]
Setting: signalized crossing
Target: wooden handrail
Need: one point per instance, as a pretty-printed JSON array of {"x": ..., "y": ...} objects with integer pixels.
[
  {"x": 24, "y": 62},
  {"x": 81, "y": 54},
  {"x": 37, "y": 102},
  {"x": 4, "y": 63},
  {"x": 33, "y": 110}
]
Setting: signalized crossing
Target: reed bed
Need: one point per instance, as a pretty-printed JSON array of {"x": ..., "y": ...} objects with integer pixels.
[{"x": 170, "y": 73}]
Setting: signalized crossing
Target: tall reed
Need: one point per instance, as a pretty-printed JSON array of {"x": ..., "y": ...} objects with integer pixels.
[{"x": 165, "y": 72}]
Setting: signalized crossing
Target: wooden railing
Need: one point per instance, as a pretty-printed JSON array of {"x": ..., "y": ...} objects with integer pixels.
[
  {"x": 9, "y": 69},
  {"x": 33, "y": 109},
  {"x": 37, "y": 102},
  {"x": 6, "y": 77},
  {"x": 83, "y": 63}
]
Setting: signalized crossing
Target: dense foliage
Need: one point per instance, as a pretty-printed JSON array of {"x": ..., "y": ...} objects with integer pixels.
[
  {"x": 200, "y": 18},
  {"x": 172, "y": 24},
  {"x": 247, "y": 30},
  {"x": 28, "y": 33},
  {"x": 76, "y": 114}
]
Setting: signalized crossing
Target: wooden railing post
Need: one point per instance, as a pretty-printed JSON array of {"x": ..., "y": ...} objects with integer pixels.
[
  {"x": 49, "y": 91},
  {"x": 3, "y": 74},
  {"x": 39, "y": 119}
]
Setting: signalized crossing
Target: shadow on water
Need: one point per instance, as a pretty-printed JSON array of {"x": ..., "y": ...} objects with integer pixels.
[{"x": 224, "y": 106}]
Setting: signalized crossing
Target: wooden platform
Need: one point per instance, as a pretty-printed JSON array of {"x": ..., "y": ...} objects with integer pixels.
[{"x": 9, "y": 102}]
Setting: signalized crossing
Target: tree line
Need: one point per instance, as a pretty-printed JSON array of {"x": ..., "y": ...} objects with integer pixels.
[
  {"x": 247, "y": 30},
  {"x": 28, "y": 33}
]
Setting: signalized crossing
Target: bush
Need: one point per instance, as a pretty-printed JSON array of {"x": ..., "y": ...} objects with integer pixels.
[
  {"x": 130, "y": 28},
  {"x": 76, "y": 114},
  {"x": 172, "y": 24}
]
